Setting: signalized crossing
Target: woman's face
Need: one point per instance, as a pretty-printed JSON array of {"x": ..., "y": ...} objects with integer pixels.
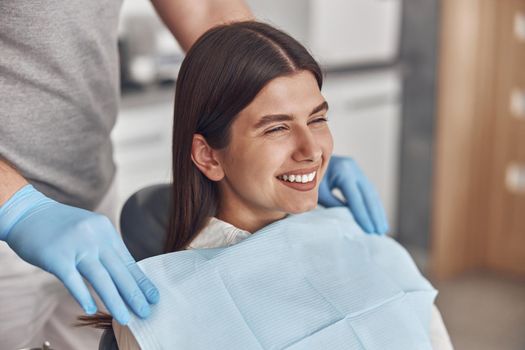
[{"x": 279, "y": 150}]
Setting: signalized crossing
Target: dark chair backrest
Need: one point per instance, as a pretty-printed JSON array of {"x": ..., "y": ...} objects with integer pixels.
[
  {"x": 144, "y": 223},
  {"x": 108, "y": 341}
]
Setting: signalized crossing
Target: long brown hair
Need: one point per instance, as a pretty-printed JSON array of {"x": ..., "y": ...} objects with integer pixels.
[{"x": 221, "y": 74}]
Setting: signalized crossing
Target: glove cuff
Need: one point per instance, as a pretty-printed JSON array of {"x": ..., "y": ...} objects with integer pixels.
[{"x": 17, "y": 207}]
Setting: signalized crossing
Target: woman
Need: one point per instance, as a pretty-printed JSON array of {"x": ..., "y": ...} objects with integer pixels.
[{"x": 250, "y": 145}]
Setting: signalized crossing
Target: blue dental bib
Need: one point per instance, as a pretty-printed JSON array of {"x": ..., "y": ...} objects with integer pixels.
[{"x": 309, "y": 281}]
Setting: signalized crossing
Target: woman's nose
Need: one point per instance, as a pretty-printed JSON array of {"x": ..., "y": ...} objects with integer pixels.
[{"x": 306, "y": 147}]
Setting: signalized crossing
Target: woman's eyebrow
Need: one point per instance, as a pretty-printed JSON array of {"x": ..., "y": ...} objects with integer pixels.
[
  {"x": 322, "y": 106},
  {"x": 271, "y": 118}
]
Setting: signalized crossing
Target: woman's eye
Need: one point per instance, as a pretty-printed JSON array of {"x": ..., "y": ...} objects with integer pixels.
[
  {"x": 319, "y": 120},
  {"x": 275, "y": 130}
]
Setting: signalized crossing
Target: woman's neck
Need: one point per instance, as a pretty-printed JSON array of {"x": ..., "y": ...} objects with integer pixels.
[{"x": 247, "y": 220}]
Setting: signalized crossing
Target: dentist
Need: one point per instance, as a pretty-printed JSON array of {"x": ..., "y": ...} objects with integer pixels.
[{"x": 59, "y": 94}]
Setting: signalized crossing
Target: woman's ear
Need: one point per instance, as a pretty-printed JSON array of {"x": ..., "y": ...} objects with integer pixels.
[{"x": 204, "y": 158}]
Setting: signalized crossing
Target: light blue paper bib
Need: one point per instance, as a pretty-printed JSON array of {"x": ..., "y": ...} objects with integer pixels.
[{"x": 310, "y": 281}]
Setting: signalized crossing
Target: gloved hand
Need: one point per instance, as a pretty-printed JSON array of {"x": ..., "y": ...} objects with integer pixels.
[
  {"x": 70, "y": 243},
  {"x": 362, "y": 199}
]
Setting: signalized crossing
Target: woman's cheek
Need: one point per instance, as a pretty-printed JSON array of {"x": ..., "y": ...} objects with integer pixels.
[{"x": 328, "y": 143}]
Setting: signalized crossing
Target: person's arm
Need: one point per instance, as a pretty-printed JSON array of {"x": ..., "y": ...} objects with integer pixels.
[
  {"x": 10, "y": 182},
  {"x": 187, "y": 20},
  {"x": 72, "y": 243}
]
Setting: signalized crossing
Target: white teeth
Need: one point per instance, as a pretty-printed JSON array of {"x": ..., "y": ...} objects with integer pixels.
[{"x": 299, "y": 178}]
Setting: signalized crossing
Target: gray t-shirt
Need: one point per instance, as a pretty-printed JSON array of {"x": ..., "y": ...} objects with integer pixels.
[{"x": 59, "y": 94}]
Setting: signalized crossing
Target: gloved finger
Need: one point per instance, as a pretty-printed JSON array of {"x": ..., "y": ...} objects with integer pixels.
[
  {"x": 382, "y": 219},
  {"x": 326, "y": 197},
  {"x": 357, "y": 206},
  {"x": 126, "y": 284},
  {"x": 77, "y": 288},
  {"x": 148, "y": 288},
  {"x": 374, "y": 206},
  {"x": 99, "y": 278}
]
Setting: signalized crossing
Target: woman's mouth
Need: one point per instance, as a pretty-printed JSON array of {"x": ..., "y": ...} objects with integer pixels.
[
  {"x": 300, "y": 182},
  {"x": 299, "y": 178}
]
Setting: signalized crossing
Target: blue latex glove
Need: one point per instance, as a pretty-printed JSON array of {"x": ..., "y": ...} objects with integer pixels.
[
  {"x": 361, "y": 197},
  {"x": 70, "y": 243}
]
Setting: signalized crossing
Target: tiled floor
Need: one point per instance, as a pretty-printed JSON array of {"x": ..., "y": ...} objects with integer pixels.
[{"x": 483, "y": 311}]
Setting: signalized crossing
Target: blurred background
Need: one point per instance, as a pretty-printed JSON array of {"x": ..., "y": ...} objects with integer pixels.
[{"x": 427, "y": 96}]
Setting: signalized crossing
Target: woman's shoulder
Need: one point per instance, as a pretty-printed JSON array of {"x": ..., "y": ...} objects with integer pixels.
[{"x": 217, "y": 234}]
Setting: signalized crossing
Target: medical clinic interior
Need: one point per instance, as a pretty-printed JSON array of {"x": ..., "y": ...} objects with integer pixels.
[{"x": 427, "y": 96}]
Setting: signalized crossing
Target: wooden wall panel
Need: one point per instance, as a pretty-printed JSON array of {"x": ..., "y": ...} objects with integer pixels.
[
  {"x": 506, "y": 240},
  {"x": 464, "y": 137},
  {"x": 477, "y": 221}
]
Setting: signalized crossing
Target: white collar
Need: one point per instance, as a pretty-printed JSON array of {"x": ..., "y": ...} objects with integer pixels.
[{"x": 218, "y": 234}]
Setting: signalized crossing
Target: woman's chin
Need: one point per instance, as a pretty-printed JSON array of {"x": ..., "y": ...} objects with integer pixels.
[{"x": 302, "y": 207}]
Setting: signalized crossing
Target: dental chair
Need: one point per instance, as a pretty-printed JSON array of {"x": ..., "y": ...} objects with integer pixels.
[{"x": 143, "y": 223}]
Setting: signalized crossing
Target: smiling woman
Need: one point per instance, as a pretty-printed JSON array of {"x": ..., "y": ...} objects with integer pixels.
[
  {"x": 248, "y": 109},
  {"x": 251, "y": 144}
]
